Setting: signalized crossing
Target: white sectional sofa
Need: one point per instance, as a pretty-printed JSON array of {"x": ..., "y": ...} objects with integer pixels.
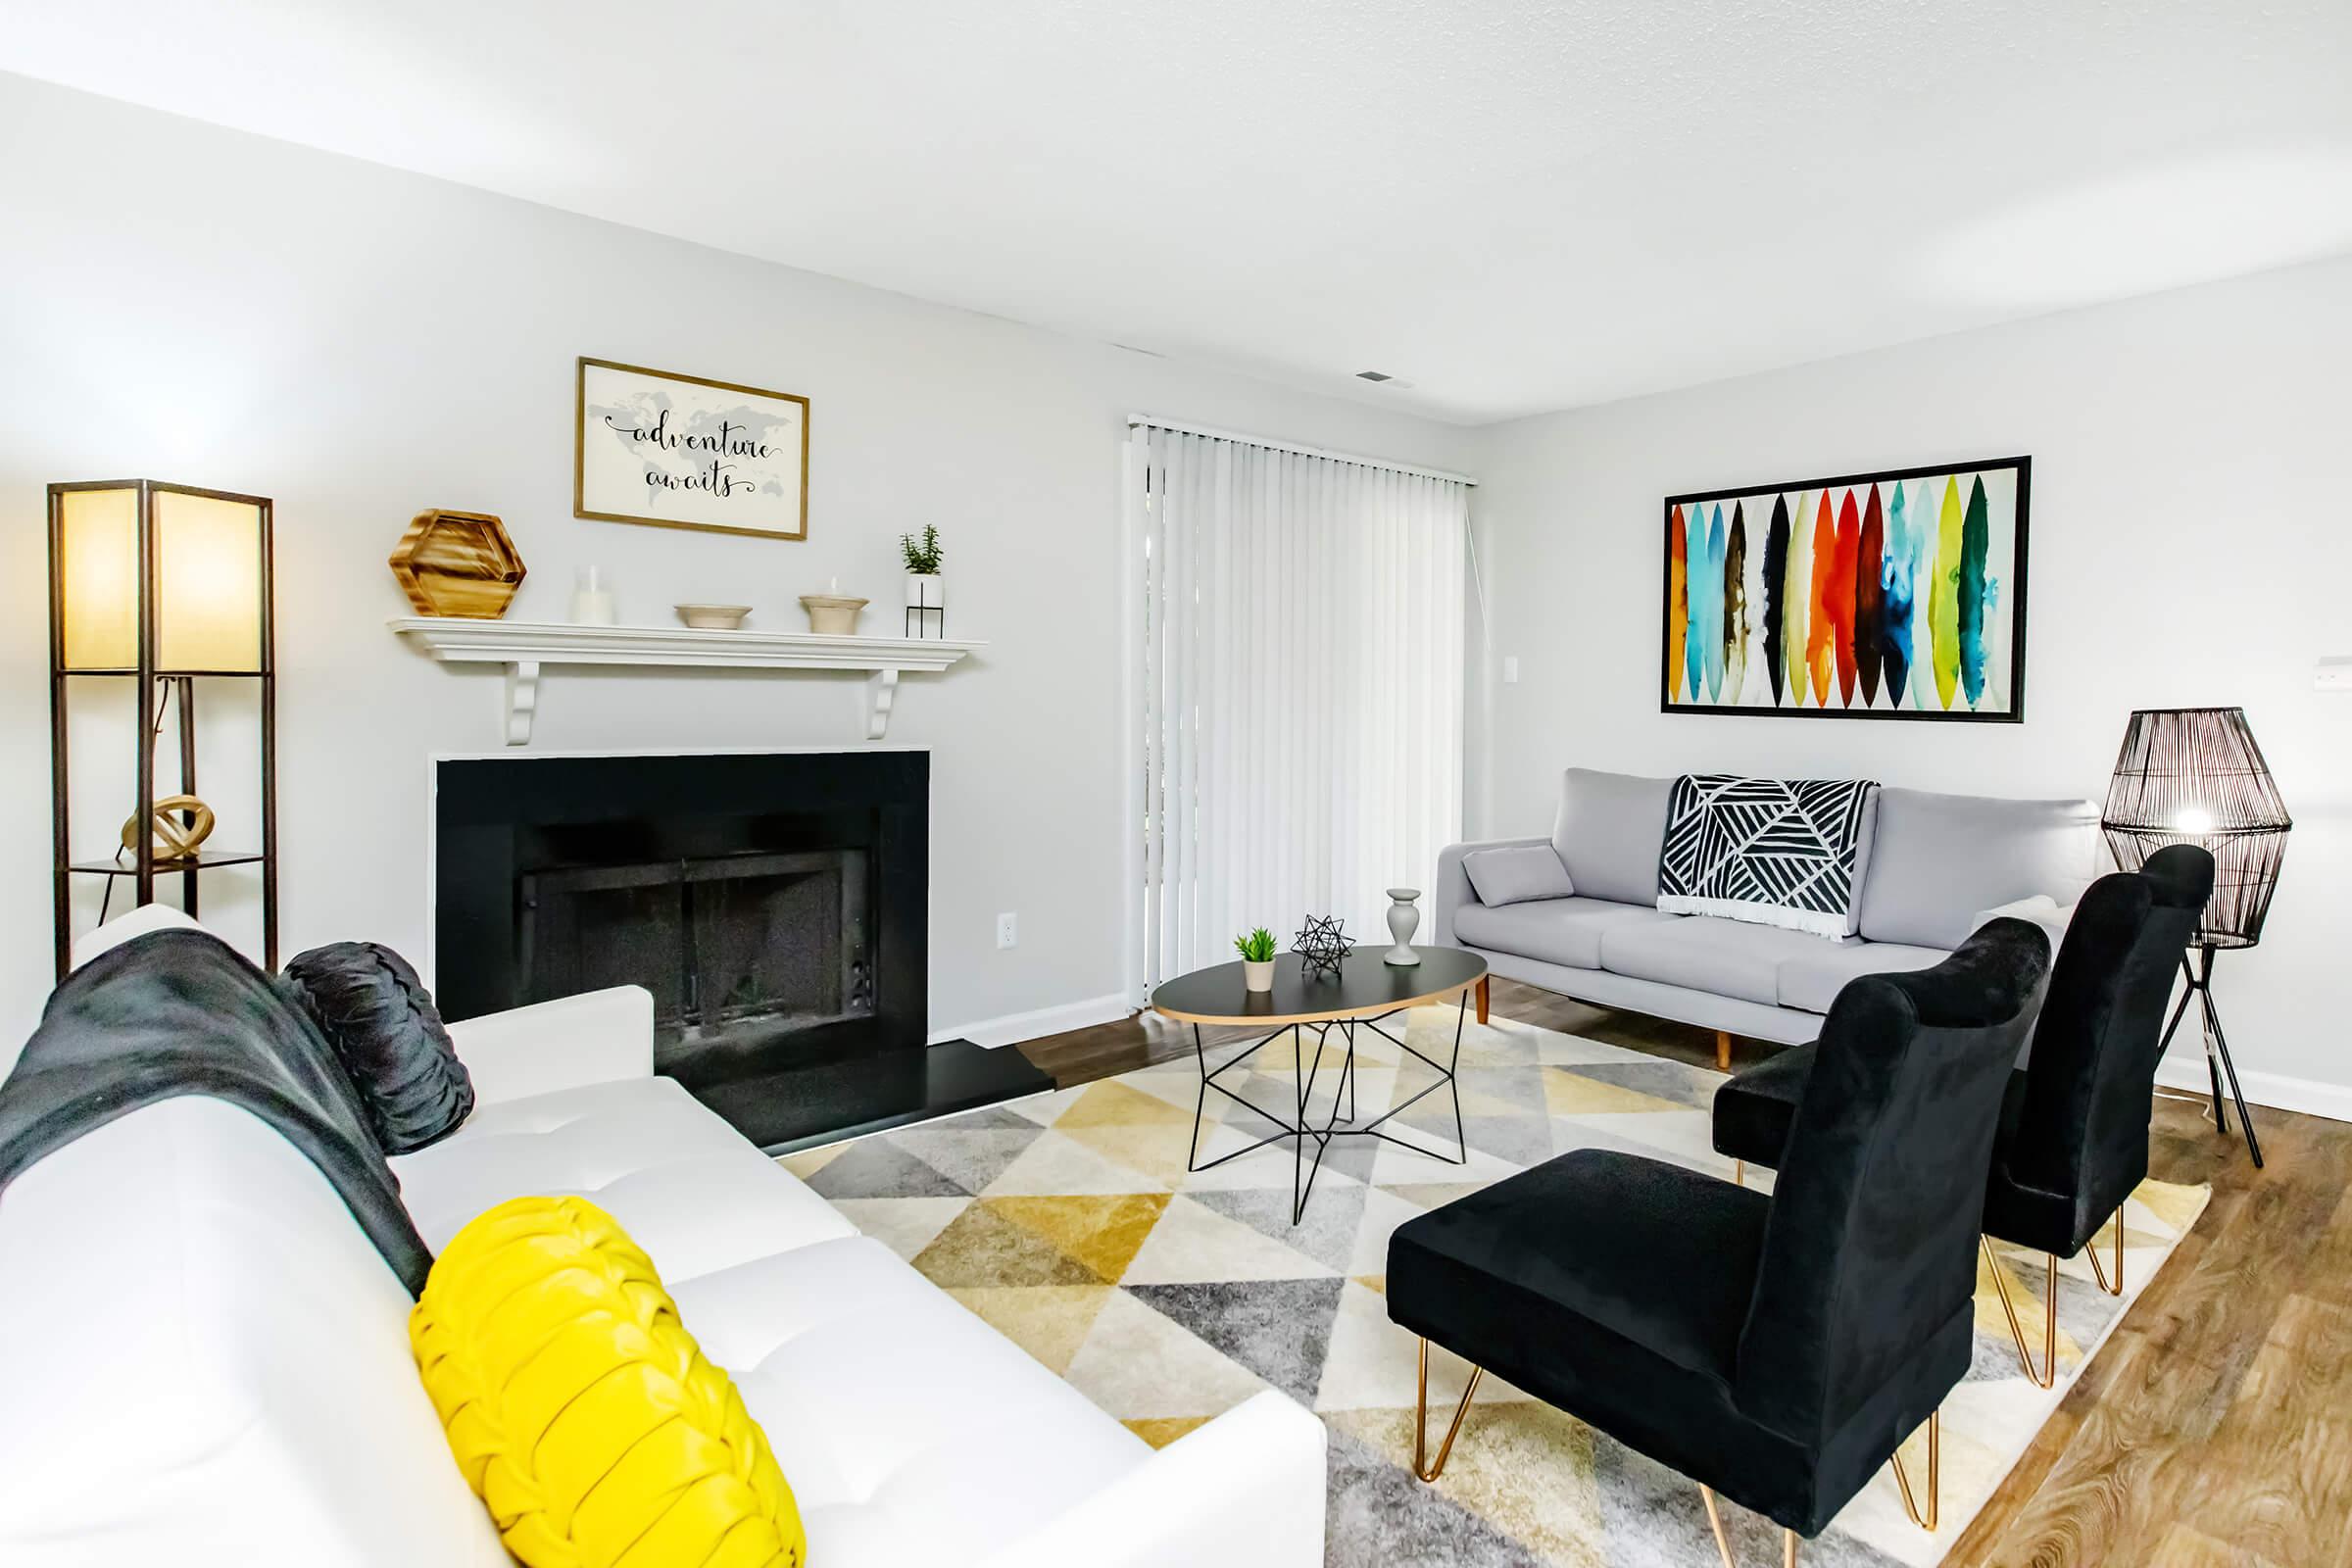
[
  {"x": 1929, "y": 869},
  {"x": 205, "y": 1362}
]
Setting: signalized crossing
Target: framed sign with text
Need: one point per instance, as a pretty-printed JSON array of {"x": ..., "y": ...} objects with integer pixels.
[{"x": 682, "y": 452}]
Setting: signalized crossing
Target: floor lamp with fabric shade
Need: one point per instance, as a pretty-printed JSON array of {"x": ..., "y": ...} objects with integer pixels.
[
  {"x": 161, "y": 586},
  {"x": 2194, "y": 776}
]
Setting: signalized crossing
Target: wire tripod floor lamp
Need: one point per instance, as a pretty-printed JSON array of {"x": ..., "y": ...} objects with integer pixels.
[{"x": 2194, "y": 776}]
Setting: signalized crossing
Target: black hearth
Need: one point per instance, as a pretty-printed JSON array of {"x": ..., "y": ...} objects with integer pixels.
[{"x": 774, "y": 904}]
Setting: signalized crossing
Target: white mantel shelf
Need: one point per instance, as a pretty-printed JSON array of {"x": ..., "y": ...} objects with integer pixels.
[{"x": 526, "y": 646}]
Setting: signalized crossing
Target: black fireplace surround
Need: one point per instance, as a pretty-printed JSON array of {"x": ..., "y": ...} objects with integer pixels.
[{"x": 776, "y": 905}]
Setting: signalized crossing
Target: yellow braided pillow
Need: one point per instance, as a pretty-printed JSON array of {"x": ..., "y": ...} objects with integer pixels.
[{"x": 582, "y": 1411}]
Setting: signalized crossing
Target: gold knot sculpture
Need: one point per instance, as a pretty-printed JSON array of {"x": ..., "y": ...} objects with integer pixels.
[{"x": 173, "y": 839}]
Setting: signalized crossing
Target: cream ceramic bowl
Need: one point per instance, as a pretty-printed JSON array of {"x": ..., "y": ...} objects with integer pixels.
[{"x": 713, "y": 617}]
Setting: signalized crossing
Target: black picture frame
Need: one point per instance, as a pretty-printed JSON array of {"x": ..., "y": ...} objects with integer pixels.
[{"x": 2015, "y": 596}]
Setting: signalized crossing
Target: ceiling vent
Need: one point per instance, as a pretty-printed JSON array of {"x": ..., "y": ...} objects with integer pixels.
[{"x": 1374, "y": 376}]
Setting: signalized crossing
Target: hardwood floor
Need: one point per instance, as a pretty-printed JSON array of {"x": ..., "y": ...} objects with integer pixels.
[{"x": 2216, "y": 1425}]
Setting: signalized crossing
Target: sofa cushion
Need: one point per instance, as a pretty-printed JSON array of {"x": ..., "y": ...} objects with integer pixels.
[
  {"x": 1516, "y": 874},
  {"x": 1562, "y": 931},
  {"x": 1608, "y": 833},
  {"x": 1937, "y": 860},
  {"x": 912, "y": 1432},
  {"x": 682, "y": 1182},
  {"x": 1704, "y": 953},
  {"x": 213, "y": 1367},
  {"x": 1812, "y": 980}
]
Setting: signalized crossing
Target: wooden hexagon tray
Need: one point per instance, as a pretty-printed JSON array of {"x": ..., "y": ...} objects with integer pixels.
[{"x": 458, "y": 563}]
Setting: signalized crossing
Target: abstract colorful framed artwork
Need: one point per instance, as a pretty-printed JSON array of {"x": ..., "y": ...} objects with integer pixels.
[{"x": 1895, "y": 595}]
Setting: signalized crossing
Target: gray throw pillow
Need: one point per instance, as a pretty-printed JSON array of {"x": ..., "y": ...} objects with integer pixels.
[
  {"x": 389, "y": 1038},
  {"x": 1517, "y": 873}
]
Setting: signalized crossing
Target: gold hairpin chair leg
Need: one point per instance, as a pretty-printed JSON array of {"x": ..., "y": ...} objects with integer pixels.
[
  {"x": 2048, "y": 1374},
  {"x": 2092, "y": 1253},
  {"x": 1723, "y": 1543},
  {"x": 1421, "y": 1419},
  {"x": 1925, "y": 1520}
]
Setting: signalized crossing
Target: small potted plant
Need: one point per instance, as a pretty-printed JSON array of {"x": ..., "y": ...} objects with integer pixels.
[
  {"x": 1257, "y": 959},
  {"x": 924, "y": 591}
]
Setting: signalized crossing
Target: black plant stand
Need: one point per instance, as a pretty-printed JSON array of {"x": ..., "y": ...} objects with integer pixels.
[{"x": 2199, "y": 976}]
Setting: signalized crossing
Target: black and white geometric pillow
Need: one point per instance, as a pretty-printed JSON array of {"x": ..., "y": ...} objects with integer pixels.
[{"x": 1775, "y": 851}]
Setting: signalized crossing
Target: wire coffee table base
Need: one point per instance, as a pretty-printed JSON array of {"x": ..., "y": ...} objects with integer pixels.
[{"x": 1298, "y": 1127}]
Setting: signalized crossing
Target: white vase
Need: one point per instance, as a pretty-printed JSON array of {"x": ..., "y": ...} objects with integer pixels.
[
  {"x": 1257, "y": 975},
  {"x": 1403, "y": 920}
]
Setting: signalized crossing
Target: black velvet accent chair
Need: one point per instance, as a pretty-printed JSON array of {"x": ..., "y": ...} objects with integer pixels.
[
  {"x": 1776, "y": 1350},
  {"x": 2073, "y": 1134}
]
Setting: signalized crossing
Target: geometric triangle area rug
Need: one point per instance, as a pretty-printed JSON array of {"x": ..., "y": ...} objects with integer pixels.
[{"x": 1070, "y": 1222}]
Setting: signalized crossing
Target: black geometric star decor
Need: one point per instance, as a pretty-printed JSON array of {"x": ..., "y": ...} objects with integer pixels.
[{"x": 1321, "y": 946}]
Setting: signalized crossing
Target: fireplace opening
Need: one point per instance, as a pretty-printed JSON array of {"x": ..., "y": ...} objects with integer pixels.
[
  {"x": 742, "y": 953},
  {"x": 775, "y": 904}
]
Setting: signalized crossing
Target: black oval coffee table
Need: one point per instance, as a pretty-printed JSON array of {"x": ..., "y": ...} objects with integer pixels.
[{"x": 1366, "y": 992}]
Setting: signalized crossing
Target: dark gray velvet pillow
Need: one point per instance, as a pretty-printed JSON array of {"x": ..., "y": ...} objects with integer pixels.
[{"x": 388, "y": 1035}]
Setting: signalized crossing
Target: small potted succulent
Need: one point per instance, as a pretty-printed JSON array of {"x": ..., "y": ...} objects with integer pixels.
[
  {"x": 1257, "y": 959},
  {"x": 924, "y": 591}
]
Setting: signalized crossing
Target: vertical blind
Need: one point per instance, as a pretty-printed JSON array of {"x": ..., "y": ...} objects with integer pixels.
[{"x": 1300, "y": 687}]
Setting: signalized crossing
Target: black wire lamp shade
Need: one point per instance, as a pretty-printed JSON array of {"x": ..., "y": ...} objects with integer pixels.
[{"x": 2194, "y": 776}]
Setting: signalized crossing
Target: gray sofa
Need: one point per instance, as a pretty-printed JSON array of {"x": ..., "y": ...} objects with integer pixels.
[{"x": 1930, "y": 870}]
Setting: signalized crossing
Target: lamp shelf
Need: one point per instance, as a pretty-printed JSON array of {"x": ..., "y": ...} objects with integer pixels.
[
  {"x": 527, "y": 648},
  {"x": 201, "y": 860}
]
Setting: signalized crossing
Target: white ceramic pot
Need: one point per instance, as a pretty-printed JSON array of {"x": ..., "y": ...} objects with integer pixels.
[
  {"x": 925, "y": 590},
  {"x": 832, "y": 616},
  {"x": 1257, "y": 976}
]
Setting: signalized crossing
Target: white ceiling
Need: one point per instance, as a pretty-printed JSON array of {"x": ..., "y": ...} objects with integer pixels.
[{"x": 1514, "y": 207}]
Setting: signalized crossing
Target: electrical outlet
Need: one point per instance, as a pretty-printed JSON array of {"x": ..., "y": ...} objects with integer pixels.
[
  {"x": 1008, "y": 930},
  {"x": 1510, "y": 670}
]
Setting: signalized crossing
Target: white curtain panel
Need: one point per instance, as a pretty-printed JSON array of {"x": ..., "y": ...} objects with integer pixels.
[{"x": 1301, "y": 682}]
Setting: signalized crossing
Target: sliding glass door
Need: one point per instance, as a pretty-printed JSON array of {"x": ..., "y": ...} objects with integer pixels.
[{"x": 1297, "y": 679}]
